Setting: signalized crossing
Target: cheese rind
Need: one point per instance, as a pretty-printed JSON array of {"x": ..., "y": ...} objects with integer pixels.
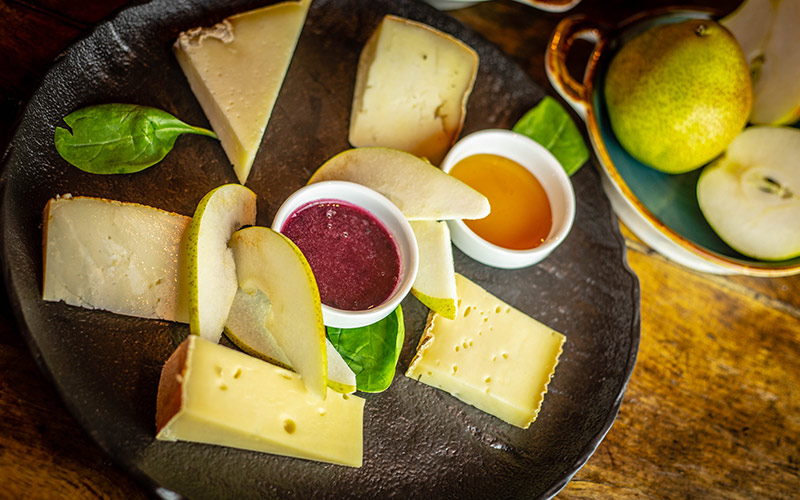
[
  {"x": 122, "y": 257},
  {"x": 211, "y": 394},
  {"x": 411, "y": 90},
  {"x": 236, "y": 69},
  {"x": 492, "y": 356}
]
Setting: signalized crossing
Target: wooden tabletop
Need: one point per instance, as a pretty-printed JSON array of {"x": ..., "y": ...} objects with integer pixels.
[{"x": 712, "y": 409}]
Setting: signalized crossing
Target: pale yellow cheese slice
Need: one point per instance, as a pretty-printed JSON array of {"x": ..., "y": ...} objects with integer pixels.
[
  {"x": 236, "y": 69},
  {"x": 121, "y": 257},
  {"x": 211, "y": 394},
  {"x": 492, "y": 356},
  {"x": 411, "y": 90}
]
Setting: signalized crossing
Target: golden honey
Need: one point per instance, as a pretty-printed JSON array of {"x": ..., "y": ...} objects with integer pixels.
[{"x": 521, "y": 217}]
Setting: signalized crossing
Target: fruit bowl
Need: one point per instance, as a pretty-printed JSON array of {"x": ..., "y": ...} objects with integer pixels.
[{"x": 661, "y": 209}]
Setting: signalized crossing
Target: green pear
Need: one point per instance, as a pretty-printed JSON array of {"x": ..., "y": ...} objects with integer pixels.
[
  {"x": 751, "y": 195},
  {"x": 435, "y": 285},
  {"x": 420, "y": 190},
  {"x": 212, "y": 281},
  {"x": 269, "y": 262},
  {"x": 678, "y": 94},
  {"x": 246, "y": 327},
  {"x": 767, "y": 32}
]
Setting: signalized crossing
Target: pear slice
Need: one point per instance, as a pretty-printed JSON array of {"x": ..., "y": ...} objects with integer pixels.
[
  {"x": 435, "y": 285},
  {"x": 420, "y": 190},
  {"x": 212, "y": 280},
  {"x": 767, "y": 32},
  {"x": 268, "y": 261},
  {"x": 246, "y": 327},
  {"x": 751, "y": 195}
]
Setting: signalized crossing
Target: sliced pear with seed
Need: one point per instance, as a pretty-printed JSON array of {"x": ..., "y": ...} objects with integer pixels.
[
  {"x": 420, "y": 190},
  {"x": 269, "y": 262},
  {"x": 435, "y": 285},
  {"x": 212, "y": 281}
]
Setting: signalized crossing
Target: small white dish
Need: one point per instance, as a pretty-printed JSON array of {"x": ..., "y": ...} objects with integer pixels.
[
  {"x": 392, "y": 219},
  {"x": 547, "y": 170}
]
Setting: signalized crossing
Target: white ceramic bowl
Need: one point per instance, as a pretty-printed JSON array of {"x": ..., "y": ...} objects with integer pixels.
[
  {"x": 383, "y": 210},
  {"x": 543, "y": 165}
]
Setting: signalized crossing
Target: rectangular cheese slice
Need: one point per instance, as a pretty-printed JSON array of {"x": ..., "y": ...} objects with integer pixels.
[
  {"x": 491, "y": 356},
  {"x": 411, "y": 89},
  {"x": 236, "y": 68},
  {"x": 122, "y": 257},
  {"x": 211, "y": 394}
]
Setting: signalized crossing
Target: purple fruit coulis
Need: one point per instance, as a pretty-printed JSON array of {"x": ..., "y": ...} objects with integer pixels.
[{"x": 353, "y": 256}]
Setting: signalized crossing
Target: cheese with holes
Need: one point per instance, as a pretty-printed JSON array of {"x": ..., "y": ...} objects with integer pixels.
[
  {"x": 209, "y": 393},
  {"x": 412, "y": 87},
  {"x": 236, "y": 68},
  {"x": 122, "y": 257},
  {"x": 492, "y": 356}
]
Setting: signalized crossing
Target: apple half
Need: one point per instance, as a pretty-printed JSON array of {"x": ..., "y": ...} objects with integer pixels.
[
  {"x": 212, "y": 281},
  {"x": 751, "y": 195},
  {"x": 435, "y": 285},
  {"x": 269, "y": 262}
]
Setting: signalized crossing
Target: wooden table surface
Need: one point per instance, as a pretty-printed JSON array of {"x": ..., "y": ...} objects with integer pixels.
[{"x": 712, "y": 409}]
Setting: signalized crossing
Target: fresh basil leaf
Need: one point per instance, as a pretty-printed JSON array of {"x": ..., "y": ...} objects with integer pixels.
[
  {"x": 549, "y": 124},
  {"x": 119, "y": 138},
  {"x": 371, "y": 351}
]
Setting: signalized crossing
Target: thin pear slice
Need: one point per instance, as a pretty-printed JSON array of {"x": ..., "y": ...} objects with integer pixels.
[
  {"x": 420, "y": 190},
  {"x": 767, "y": 32},
  {"x": 268, "y": 261},
  {"x": 246, "y": 327},
  {"x": 212, "y": 281},
  {"x": 435, "y": 285},
  {"x": 751, "y": 195}
]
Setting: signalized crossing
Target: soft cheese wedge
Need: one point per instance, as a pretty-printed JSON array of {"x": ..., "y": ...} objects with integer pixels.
[
  {"x": 435, "y": 285},
  {"x": 269, "y": 262},
  {"x": 211, "y": 394},
  {"x": 491, "y": 356},
  {"x": 236, "y": 69},
  {"x": 121, "y": 257},
  {"x": 246, "y": 327},
  {"x": 212, "y": 280},
  {"x": 412, "y": 87},
  {"x": 420, "y": 190}
]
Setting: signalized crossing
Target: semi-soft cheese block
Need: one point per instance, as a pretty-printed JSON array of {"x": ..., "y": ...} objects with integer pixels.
[
  {"x": 236, "y": 68},
  {"x": 491, "y": 356},
  {"x": 212, "y": 394},
  {"x": 122, "y": 257},
  {"x": 411, "y": 90}
]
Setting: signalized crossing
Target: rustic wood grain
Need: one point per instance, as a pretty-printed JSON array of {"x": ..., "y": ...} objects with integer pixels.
[{"x": 712, "y": 409}]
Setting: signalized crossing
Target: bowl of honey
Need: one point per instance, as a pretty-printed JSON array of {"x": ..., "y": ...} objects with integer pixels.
[{"x": 531, "y": 197}]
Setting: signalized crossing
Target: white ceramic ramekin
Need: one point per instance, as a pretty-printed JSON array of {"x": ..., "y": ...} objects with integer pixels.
[
  {"x": 383, "y": 210},
  {"x": 544, "y": 166}
]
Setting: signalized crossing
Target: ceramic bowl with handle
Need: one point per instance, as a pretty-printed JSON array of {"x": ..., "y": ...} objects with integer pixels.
[{"x": 661, "y": 209}]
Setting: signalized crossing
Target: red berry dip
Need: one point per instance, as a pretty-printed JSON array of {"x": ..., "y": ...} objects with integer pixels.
[{"x": 353, "y": 256}]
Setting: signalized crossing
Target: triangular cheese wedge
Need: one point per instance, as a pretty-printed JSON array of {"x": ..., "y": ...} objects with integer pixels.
[{"x": 236, "y": 68}]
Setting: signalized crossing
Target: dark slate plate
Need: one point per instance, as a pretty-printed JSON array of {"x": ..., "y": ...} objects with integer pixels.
[{"x": 419, "y": 442}]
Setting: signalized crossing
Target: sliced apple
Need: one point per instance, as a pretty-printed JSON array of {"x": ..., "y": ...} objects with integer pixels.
[
  {"x": 420, "y": 190},
  {"x": 751, "y": 195},
  {"x": 767, "y": 32},
  {"x": 212, "y": 280},
  {"x": 268, "y": 261},
  {"x": 246, "y": 327},
  {"x": 435, "y": 285}
]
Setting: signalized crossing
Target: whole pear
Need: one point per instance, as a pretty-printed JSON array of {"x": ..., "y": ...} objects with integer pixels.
[{"x": 678, "y": 94}]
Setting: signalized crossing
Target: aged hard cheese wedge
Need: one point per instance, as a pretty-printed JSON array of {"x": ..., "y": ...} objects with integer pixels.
[
  {"x": 491, "y": 356},
  {"x": 236, "y": 69},
  {"x": 211, "y": 394},
  {"x": 121, "y": 257},
  {"x": 411, "y": 90}
]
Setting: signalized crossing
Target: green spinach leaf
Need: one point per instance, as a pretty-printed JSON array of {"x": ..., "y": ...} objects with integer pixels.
[
  {"x": 549, "y": 124},
  {"x": 371, "y": 351},
  {"x": 119, "y": 138}
]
